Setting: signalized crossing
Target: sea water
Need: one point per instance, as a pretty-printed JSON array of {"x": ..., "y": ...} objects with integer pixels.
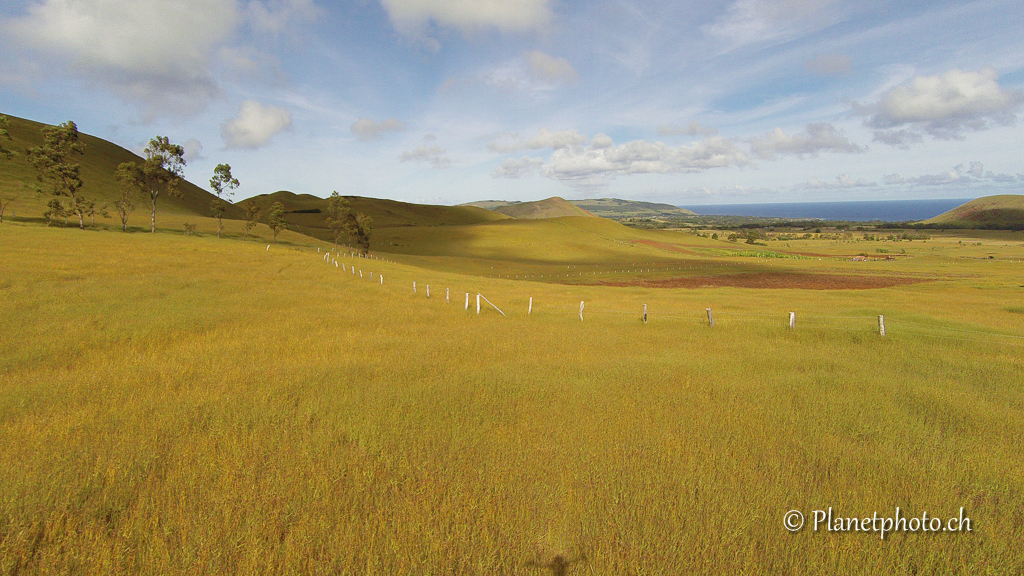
[{"x": 865, "y": 211}]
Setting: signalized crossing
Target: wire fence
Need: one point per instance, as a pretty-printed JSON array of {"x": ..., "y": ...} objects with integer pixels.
[{"x": 352, "y": 264}]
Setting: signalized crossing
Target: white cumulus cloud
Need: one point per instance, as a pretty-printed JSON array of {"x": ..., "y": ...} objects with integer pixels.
[
  {"x": 156, "y": 54},
  {"x": 153, "y": 52},
  {"x": 816, "y": 137},
  {"x": 367, "y": 129},
  {"x": 543, "y": 139},
  {"x": 255, "y": 125},
  {"x": 641, "y": 157},
  {"x": 193, "y": 150},
  {"x": 550, "y": 68},
  {"x": 944, "y": 106},
  {"x": 517, "y": 168},
  {"x": 433, "y": 154}
]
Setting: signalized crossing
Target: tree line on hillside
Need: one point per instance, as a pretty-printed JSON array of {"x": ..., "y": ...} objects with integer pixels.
[{"x": 158, "y": 175}]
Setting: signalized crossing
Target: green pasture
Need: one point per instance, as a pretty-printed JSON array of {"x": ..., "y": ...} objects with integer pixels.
[{"x": 194, "y": 405}]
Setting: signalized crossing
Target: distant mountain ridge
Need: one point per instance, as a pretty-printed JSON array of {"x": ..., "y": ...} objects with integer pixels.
[
  {"x": 554, "y": 207},
  {"x": 614, "y": 208},
  {"x": 617, "y": 208}
]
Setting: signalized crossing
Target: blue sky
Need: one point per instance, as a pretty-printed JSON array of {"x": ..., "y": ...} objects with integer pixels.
[{"x": 449, "y": 101}]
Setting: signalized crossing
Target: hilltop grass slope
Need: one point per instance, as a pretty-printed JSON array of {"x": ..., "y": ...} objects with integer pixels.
[
  {"x": 211, "y": 406},
  {"x": 1005, "y": 211},
  {"x": 307, "y": 214},
  {"x": 98, "y": 166},
  {"x": 553, "y": 207},
  {"x": 619, "y": 209}
]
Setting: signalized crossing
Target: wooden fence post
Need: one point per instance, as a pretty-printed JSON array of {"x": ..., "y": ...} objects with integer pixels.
[
  {"x": 530, "y": 309},
  {"x": 881, "y": 325},
  {"x": 792, "y": 320},
  {"x": 711, "y": 319}
]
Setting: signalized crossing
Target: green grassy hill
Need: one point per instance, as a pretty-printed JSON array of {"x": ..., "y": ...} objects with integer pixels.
[
  {"x": 98, "y": 165},
  {"x": 616, "y": 208},
  {"x": 553, "y": 207},
  {"x": 1005, "y": 211},
  {"x": 613, "y": 208},
  {"x": 307, "y": 214}
]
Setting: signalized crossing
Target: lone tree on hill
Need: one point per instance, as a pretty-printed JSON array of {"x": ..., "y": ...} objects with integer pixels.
[
  {"x": 252, "y": 217},
  {"x": 159, "y": 172},
  {"x": 5, "y": 123},
  {"x": 339, "y": 216},
  {"x": 275, "y": 219},
  {"x": 56, "y": 174},
  {"x": 124, "y": 205},
  {"x": 363, "y": 230},
  {"x": 222, "y": 183},
  {"x": 7, "y": 155}
]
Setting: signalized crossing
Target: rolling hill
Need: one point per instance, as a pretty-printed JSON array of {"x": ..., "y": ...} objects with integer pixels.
[
  {"x": 307, "y": 214},
  {"x": 98, "y": 165},
  {"x": 615, "y": 208},
  {"x": 1005, "y": 211},
  {"x": 553, "y": 207}
]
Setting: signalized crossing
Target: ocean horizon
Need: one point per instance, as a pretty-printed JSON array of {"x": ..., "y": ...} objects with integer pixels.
[{"x": 859, "y": 211}]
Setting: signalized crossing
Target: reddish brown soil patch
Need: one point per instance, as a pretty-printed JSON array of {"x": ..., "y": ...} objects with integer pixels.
[{"x": 773, "y": 280}]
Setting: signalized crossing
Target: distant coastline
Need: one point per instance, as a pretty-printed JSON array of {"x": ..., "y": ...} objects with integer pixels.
[{"x": 863, "y": 211}]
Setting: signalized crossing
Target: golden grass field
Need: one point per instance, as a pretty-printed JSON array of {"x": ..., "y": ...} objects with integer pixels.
[{"x": 194, "y": 405}]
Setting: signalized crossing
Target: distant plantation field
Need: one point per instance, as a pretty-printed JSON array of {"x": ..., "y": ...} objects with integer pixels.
[{"x": 195, "y": 405}]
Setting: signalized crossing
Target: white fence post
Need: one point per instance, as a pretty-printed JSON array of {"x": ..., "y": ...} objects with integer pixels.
[
  {"x": 881, "y": 325},
  {"x": 413, "y": 286},
  {"x": 447, "y": 294},
  {"x": 581, "y": 310},
  {"x": 645, "y": 313},
  {"x": 711, "y": 319},
  {"x": 530, "y": 309},
  {"x": 381, "y": 276},
  {"x": 467, "y": 300},
  {"x": 478, "y": 303},
  {"x": 792, "y": 320},
  {"x": 428, "y": 290}
]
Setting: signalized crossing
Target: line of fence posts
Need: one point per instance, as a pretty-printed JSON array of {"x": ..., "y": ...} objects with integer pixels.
[{"x": 529, "y": 310}]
